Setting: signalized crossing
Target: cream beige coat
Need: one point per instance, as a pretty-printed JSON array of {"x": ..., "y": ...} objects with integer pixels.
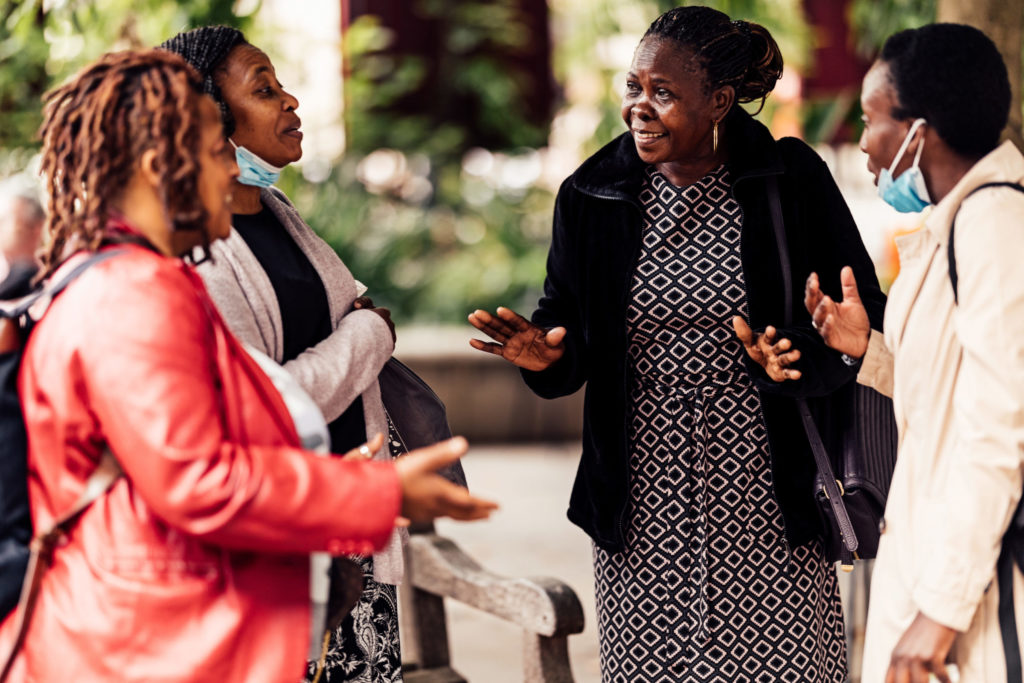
[{"x": 956, "y": 375}]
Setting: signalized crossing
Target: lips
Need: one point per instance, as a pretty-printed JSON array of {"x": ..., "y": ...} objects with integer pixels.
[
  {"x": 292, "y": 129},
  {"x": 646, "y": 136}
]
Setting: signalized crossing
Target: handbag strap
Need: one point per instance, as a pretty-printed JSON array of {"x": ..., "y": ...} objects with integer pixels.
[
  {"x": 831, "y": 484},
  {"x": 41, "y": 550}
]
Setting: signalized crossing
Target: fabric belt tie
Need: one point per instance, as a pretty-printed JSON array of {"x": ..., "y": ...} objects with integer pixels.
[{"x": 694, "y": 399}]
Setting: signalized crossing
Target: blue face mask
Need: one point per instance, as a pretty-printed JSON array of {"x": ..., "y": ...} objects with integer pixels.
[
  {"x": 253, "y": 170},
  {"x": 907, "y": 193}
]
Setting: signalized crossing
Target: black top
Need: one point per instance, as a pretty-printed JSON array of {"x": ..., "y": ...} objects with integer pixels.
[
  {"x": 596, "y": 239},
  {"x": 305, "y": 313}
]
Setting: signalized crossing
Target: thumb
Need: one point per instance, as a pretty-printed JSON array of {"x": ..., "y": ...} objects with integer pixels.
[
  {"x": 743, "y": 330},
  {"x": 849, "y": 283},
  {"x": 441, "y": 454},
  {"x": 555, "y": 336}
]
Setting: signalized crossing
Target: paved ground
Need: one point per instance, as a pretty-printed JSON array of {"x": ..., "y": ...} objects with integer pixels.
[{"x": 530, "y": 536}]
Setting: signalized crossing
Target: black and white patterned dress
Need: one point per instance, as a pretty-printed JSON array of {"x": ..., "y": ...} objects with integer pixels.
[{"x": 707, "y": 589}]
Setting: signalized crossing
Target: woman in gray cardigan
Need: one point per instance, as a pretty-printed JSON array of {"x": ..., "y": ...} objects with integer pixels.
[{"x": 284, "y": 291}]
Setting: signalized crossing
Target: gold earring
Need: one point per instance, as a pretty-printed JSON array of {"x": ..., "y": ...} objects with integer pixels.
[{"x": 714, "y": 139}]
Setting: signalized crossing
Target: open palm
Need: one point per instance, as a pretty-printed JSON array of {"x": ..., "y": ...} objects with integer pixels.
[
  {"x": 844, "y": 325},
  {"x": 517, "y": 340}
]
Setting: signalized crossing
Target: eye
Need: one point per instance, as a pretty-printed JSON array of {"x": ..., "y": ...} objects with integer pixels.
[
  {"x": 662, "y": 93},
  {"x": 632, "y": 88}
]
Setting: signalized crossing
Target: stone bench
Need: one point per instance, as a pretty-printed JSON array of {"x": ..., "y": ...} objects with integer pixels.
[{"x": 546, "y": 609}]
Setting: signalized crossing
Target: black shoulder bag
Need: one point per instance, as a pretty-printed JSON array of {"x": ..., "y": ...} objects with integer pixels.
[{"x": 859, "y": 426}]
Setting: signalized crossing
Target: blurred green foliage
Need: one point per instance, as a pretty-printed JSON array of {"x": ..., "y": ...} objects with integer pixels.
[
  {"x": 432, "y": 237},
  {"x": 41, "y": 44}
]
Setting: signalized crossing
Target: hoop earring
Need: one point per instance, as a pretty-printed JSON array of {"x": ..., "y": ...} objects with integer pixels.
[{"x": 714, "y": 139}]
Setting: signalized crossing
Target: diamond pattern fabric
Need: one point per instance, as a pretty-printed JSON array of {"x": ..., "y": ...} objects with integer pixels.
[{"x": 708, "y": 588}]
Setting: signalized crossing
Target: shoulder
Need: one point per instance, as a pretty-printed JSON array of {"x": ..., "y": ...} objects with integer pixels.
[
  {"x": 135, "y": 294},
  {"x": 799, "y": 157}
]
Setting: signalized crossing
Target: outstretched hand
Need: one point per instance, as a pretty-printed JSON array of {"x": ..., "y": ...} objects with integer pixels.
[
  {"x": 844, "y": 326},
  {"x": 427, "y": 495},
  {"x": 517, "y": 340},
  {"x": 775, "y": 357}
]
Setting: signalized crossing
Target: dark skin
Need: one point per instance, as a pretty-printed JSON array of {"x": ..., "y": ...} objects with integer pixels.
[
  {"x": 266, "y": 124},
  {"x": 671, "y": 111},
  {"x": 923, "y": 648}
]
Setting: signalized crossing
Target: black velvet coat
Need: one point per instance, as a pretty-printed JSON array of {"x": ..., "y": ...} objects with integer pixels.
[{"x": 596, "y": 240}]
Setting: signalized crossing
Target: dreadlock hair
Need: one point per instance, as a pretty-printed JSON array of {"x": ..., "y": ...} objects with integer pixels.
[
  {"x": 737, "y": 53},
  {"x": 206, "y": 48},
  {"x": 95, "y": 129},
  {"x": 952, "y": 76}
]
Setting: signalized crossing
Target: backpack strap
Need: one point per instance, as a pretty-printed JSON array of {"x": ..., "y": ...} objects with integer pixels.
[
  {"x": 950, "y": 252},
  {"x": 102, "y": 478},
  {"x": 51, "y": 291}
]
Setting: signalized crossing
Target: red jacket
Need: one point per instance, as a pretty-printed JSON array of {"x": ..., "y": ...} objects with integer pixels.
[{"x": 193, "y": 567}]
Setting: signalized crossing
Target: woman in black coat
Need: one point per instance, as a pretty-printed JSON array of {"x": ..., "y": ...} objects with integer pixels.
[{"x": 696, "y": 484}]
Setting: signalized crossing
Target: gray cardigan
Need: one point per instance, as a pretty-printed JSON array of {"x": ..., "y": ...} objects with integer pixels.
[{"x": 338, "y": 369}]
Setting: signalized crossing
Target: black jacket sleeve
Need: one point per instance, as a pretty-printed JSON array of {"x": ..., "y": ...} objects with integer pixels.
[
  {"x": 823, "y": 238},
  {"x": 560, "y": 306}
]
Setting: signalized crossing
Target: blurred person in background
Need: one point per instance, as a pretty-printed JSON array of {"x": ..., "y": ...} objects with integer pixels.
[
  {"x": 696, "y": 483},
  {"x": 194, "y": 566},
  {"x": 21, "y": 225},
  {"x": 284, "y": 291}
]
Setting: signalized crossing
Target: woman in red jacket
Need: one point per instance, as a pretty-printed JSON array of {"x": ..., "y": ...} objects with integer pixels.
[{"x": 194, "y": 566}]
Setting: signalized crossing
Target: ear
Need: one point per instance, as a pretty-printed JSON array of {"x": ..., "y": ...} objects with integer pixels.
[
  {"x": 722, "y": 100},
  {"x": 147, "y": 168}
]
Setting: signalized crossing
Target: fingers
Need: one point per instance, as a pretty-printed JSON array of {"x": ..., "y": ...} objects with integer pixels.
[
  {"x": 493, "y": 327},
  {"x": 516, "y": 321},
  {"x": 940, "y": 672},
  {"x": 849, "y": 285},
  {"x": 362, "y": 302},
  {"x": 812, "y": 292},
  {"x": 367, "y": 450},
  {"x": 402, "y": 522},
  {"x": 456, "y": 502},
  {"x": 489, "y": 347}
]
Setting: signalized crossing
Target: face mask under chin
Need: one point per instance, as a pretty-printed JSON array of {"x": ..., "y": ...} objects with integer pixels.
[
  {"x": 253, "y": 170},
  {"x": 907, "y": 193}
]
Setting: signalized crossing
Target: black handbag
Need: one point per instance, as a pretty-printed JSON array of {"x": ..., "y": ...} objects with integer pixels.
[
  {"x": 852, "y": 433},
  {"x": 416, "y": 413}
]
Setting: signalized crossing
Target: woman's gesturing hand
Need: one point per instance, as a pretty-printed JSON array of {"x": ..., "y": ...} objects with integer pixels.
[
  {"x": 774, "y": 357},
  {"x": 427, "y": 495},
  {"x": 517, "y": 340},
  {"x": 844, "y": 326}
]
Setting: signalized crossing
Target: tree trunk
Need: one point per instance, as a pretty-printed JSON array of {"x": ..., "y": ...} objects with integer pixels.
[{"x": 1003, "y": 22}]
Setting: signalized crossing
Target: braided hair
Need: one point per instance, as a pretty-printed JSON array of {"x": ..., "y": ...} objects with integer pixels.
[
  {"x": 97, "y": 126},
  {"x": 737, "y": 53},
  {"x": 206, "y": 48}
]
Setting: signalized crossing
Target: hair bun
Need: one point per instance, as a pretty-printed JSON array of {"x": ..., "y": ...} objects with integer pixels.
[{"x": 765, "y": 63}]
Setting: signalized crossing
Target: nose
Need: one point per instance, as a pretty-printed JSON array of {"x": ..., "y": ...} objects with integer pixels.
[
  {"x": 642, "y": 109},
  {"x": 290, "y": 102},
  {"x": 863, "y": 142}
]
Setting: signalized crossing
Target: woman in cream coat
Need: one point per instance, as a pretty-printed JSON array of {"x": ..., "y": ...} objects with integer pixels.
[{"x": 934, "y": 106}]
